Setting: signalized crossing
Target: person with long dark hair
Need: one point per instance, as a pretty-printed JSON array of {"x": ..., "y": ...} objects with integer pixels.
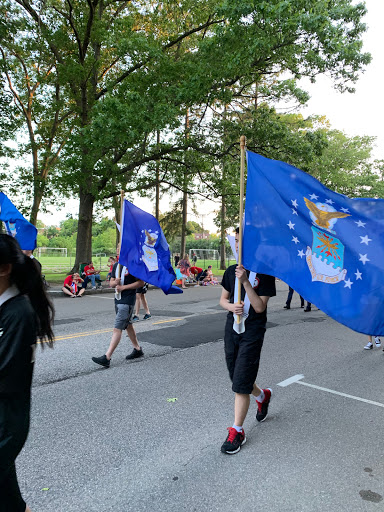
[{"x": 26, "y": 316}]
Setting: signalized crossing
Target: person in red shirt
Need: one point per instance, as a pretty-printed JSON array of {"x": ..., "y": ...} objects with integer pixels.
[
  {"x": 196, "y": 272},
  {"x": 71, "y": 285},
  {"x": 92, "y": 274}
]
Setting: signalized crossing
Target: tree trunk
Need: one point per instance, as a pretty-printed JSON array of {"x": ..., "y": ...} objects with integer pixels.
[
  {"x": 38, "y": 193},
  {"x": 157, "y": 211},
  {"x": 84, "y": 231},
  {"x": 185, "y": 216},
  {"x": 222, "y": 233},
  {"x": 185, "y": 195}
]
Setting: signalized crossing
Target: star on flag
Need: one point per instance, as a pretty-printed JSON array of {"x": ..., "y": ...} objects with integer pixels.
[
  {"x": 363, "y": 258},
  {"x": 365, "y": 240},
  {"x": 358, "y": 274},
  {"x": 290, "y": 225}
]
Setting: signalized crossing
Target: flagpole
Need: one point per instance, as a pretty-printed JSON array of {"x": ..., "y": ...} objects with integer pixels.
[
  {"x": 241, "y": 207},
  {"x": 118, "y": 273}
]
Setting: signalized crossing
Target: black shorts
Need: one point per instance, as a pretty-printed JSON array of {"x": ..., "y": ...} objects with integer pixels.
[
  {"x": 143, "y": 289},
  {"x": 242, "y": 355}
]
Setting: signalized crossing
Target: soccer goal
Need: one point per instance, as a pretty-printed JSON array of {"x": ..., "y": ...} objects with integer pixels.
[
  {"x": 52, "y": 251},
  {"x": 204, "y": 255}
]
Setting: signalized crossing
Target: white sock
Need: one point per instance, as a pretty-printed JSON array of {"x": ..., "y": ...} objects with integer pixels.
[
  {"x": 239, "y": 429},
  {"x": 261, "y": 397}
]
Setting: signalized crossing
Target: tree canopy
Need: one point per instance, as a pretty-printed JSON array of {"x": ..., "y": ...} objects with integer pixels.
[{"x": 127, "y": 70}]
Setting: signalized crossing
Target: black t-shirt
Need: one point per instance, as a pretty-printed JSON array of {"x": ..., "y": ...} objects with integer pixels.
[
  {"x": 265, "y": 287},
  {"x": 17, "y": 345},
  {"x": 127, "y": 296}
]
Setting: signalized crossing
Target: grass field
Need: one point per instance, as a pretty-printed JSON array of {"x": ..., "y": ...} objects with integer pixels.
[{"x": 56, "y": 268}]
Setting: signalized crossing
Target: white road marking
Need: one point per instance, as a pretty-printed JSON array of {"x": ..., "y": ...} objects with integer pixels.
[
  {"x": 291, "y": 380},
  {"x": 98, "y": 297},
  {"x": 297, "y": 379}
]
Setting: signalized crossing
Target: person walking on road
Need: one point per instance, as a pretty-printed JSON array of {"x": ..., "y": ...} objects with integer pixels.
[
  {"x": 26, "y": 314},
  {"x": 289, "y": 299},
  {"x": 141, "y": 299},
  {"x": 243, "y": 346},
  {"x": 126, "y": 286},
  {"x": 369, "y": 345},
  {"x": 308, "y": 307}
]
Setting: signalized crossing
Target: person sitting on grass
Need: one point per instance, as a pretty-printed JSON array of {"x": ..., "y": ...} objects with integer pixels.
[{"x": 71, "y": 285}]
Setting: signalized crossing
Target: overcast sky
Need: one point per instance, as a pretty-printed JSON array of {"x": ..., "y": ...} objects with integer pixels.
[{"x": 361, "y": 113}]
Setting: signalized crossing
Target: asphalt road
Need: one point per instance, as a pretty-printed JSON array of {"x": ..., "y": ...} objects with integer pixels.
[{"x": 112, "y": 440}]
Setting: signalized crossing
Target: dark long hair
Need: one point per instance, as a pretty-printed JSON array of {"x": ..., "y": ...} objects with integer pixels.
[{"x": 26, "y": 277}]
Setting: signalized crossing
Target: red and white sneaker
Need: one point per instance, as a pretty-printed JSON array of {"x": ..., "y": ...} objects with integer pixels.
[
  {"x": 262, "y": 407},
  {"x": 234, "y": 441}
]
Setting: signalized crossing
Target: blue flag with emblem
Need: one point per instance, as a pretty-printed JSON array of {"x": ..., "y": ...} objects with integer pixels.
[
  {"x": 16, "y": 225},
  {"x": 327, "y": 246},
  {"x": 144, "y": 249}
]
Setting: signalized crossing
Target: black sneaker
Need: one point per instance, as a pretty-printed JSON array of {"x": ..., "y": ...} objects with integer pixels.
[
  {"x": 102, "y": 360},
  {"x": 135, "y": 354},
  {"x": 262, "y": 407},
  {"x": 135, "y": 318},
  {"x": 234, "y": 441},
  {"x": 306, "y": 310},
  {"x": 287, "y": 307},
  {"x": 146, "y": 316}
]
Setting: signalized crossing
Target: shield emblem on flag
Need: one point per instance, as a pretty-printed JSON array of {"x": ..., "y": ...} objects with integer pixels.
[{"x": 326, "y": 257}]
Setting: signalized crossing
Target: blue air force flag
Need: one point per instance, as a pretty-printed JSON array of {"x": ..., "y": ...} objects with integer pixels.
[
  {"x": 16, "y": 225},
  {"x": 144, "y": 249},
  {"x": 328, "y": 247}
]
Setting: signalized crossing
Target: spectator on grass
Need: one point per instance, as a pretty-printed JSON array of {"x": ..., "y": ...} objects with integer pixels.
[
  {"x": 111, "y": 262},
  {"x": 180, "y": 278},
  {"x": 210, "y": 279},
  {"x": 185, "y": 265},
  {"x": 92, "y": 274},
  {"x": 196, "y": 272}
]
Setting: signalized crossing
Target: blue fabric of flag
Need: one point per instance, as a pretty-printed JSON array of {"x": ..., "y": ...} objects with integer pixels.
[
  {"x": 16, "y": 225},
  {"x": 327, "y": 246},
  {"x": 144, "y": 249}
]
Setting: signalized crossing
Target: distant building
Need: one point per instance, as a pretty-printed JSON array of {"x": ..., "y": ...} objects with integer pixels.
[{"x": 201, "y": 236}]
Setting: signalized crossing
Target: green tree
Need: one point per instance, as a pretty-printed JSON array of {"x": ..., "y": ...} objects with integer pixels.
[
  {"x": 132, "y": 68},
  {"x": 345, "y": 164},
  {"x": 29, "y": 74}
]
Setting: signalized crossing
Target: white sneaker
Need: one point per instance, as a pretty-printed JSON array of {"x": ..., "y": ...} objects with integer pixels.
[
  {"x": 377, "y": 342},
  {"x": 368, "y": 346},
  {"x": 93, "y": 287}
]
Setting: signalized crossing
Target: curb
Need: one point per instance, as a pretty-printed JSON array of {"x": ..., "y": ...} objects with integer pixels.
[
  {"x": 58, "y": 290},
  {"x": 87, "y": 292}
]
